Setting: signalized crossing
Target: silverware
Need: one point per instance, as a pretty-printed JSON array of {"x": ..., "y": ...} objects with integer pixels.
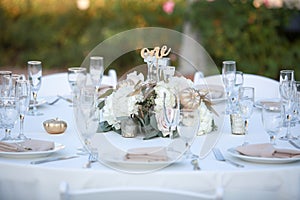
[
  {"x": 52, "y": 159},
  {"x": 294, "y": 144},
  {"x": 66, "y": 99},
  {"x": 93, "y": 157},
  {"x": 53, "y": 102},
  {"x": 219, "y": 156},
  {"x": 195, "y": 164}
]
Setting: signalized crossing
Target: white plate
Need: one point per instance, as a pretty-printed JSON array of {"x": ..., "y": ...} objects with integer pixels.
[
  {"x": 32, "y": 154},
  {"x": 121, "y": 161},
  {"x": 236, "y": 154},
  {"x": 216, "y": 92},
  {"x": 40, "y": 102},
  {"x": 273, "y": 103}
]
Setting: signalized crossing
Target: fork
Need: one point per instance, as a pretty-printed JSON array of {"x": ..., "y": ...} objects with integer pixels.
[
  {"x": 219, "y": 156},
  {"x": 53, "y": 102}
]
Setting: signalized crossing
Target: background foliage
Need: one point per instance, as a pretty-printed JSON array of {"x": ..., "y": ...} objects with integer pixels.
[
  {"x": 61, "y": 35},
  {"x": 259, "y": 39}
]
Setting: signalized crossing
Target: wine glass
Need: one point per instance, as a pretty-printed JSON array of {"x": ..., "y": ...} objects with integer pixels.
[
  {"x": 76, "y": 78},
  {"x": 171, "y": 111},
  {"x": 23, "y": 94},
  {"x": 229, "y": 76},
  {"x": 35, "y": 79},
  {"x": 272, "y": 122},
  {"x": 96, "y": 70},
  {"x": 86, "y": 116},
  {"x": 286, "y": 75},
  {"x": 246, "y": 103},
  {"x": 5, "y": 83},
  {"x": 288, "y": 92},
  {"x": 8, "y": 115},
  {"x": 187, "y": 127}
]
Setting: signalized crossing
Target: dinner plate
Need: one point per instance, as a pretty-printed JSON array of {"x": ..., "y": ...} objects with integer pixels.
[
  {"x": 215, "y": 92},
  {"x": 120, "y": 160},
  {"x": 40, "y": 102},
  {"x": 32, "y": 154},
  {"x": 272, "y": 103},
  {"x": 236, "y": 154}
]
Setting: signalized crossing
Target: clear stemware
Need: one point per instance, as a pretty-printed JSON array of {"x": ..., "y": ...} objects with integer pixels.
[
  {"x": 23, "y": 94},
  {"x": 187, "y": 127},
  {"x": 288, "y": 93},
  {"x": 272, "y": 122},
  {"x": 171, "y": 112},
  {"x": 76, "y": 78},
  {"x": 5, "y": 83},
  {"x": 96, "y": 70},
  {"x": 229, "y": 76},
  {"x": 246, "y": 103},
  {"x": 8, "y": 115},
  {"x": 35, "y": 79},
  {"x": 239, "y": 81},
  {"x": 86, "y": 116}
]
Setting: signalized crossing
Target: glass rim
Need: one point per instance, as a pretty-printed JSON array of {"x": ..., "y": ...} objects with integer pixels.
[
  {"x": 96, "y": 58},
  {"x": 77, "y": 69},
  {"x": 34, "y": 62},
  {"x": 229, "y": 62},
  {"x": 5, "y": 72}
]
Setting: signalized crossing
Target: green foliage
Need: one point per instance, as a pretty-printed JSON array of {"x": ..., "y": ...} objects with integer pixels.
[
  {"x": 61, "y": 35},
  {"x": 254, "y": 37}
]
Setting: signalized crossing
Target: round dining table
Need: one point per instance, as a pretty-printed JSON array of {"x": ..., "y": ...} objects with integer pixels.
[{"x": 19, "y": 179}]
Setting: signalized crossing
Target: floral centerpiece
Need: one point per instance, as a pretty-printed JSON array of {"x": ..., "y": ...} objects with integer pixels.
[{"x": 142, "y": 102}]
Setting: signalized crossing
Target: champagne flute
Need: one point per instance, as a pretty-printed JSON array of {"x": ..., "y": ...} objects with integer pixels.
[
  {"x": 288, "y": 92},
  {"x": 246, "y": 103},
  {"x": 86, "y": 116},
  {"x": 35, "y": 79},
  {"x": 96, "y": 70},
  {"x": 229, "y": 76},
  {"x": 171, "y": 112},
  {"x": 23, "y": 94},
  {"x": 76, "y": 79},
  {"x": 272, "y": 122},
  {"x": 188, "y": 126},
  {"x": 8, "y": 115}
]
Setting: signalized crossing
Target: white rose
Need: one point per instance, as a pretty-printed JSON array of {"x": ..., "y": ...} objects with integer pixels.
[{"x": 206, "y": 120}]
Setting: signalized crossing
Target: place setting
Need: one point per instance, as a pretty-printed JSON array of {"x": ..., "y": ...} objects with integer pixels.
[{"x": 276, "y": 115}]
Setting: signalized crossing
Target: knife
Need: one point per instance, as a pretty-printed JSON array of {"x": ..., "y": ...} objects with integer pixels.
[
  {"x": 52, "y": 159},
  {"x": 64, "y": 98},
  {"x": 219, "y": 156},
  {"x": 294, "y": 144}
]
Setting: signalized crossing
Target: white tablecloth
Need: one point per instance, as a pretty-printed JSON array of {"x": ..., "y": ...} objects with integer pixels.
[{"x": 20, "y": 179}]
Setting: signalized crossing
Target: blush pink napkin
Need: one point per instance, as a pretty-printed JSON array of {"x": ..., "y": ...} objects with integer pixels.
[
  {"x": 267, "y": 150},
  {"x": 27, "y": 145},
  {"x": 147, "y": 154}
]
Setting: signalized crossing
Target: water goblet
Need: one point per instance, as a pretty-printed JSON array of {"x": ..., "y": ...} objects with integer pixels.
[
  {"x": 96, "y": 70},
  {"x": 246, "y": 103},
  {"x": 286, "y": 75},
  {"x": 272, "y": 122},
  {"x": 171, "y": 111},
  {"x": 23, "y": 94},
  {"x": 187, "y": 127},
  {"x": 76, "y": 79},
  {"x": 8, "y": 115},
  {"x": 35, "y": 79},
  {"x": 228, "y": 77},
  {"x": 288, "y": 92},
  {"x": 239, "y": 81}
]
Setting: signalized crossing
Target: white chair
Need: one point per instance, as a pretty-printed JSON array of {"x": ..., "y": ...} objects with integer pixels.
[
  {"x": 134, "y": 193},
  {"x": 264, "y": 87}
]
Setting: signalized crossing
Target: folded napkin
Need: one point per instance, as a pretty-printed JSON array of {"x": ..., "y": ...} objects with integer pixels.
[
  {"x": 267, "y": 150},
  {"x": 26, "y": 145},
  {"x": 147, "y": 154}
]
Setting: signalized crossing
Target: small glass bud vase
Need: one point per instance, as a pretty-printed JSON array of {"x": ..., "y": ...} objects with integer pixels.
[
  {"x": 237, "y": 124},
  {"x": 129, "y": 128}
]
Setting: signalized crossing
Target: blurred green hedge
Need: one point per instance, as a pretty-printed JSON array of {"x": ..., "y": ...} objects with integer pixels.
[
  {"x": 261, "y": 40},
  {"x": 61, "y": 35}
]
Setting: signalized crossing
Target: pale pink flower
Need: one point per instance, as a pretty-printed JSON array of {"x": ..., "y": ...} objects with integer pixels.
[{"x": 168, "y": 7}]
